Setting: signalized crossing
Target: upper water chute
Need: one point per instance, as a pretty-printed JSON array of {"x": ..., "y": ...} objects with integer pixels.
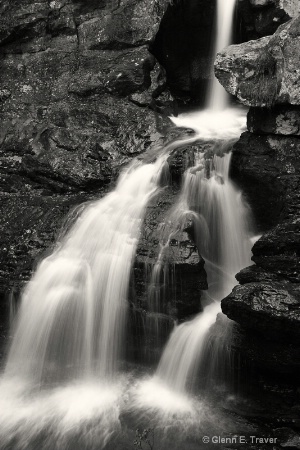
[
  {"x": 222, "y": 229},
  {"x": 217, "y": 99}
]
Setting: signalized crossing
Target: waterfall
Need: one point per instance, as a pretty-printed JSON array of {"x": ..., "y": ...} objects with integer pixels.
[
  {"x": 222, "y": 236},
  {"x": 217, "y": 96},
  {"x": 222, "y": 227},
  {"x": 61, "y": 384},
  {"x": 72, "y": 315}
]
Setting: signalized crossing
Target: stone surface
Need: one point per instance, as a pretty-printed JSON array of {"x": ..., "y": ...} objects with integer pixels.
[
  {"x": 263, "y": 72},
  {"x": 68, "y": 122},
  {"x": 282, "y": 120},
  {"x": 267, "y": 169},
  {"x": 269, "y": 308},
  {"x": 265, "y": 163},
  {"x": 168, "y": 274},
  {"x": 258, "y": 18},
  {"x": 183, "y": 46},
  {"x": 175, "y": 290}
]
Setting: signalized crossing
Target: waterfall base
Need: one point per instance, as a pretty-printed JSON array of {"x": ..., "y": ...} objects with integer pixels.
[{"x": 91, "y": 415}]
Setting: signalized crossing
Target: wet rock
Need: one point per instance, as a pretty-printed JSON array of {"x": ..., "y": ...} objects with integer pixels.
[
  {"x": 255, "y": 274},
  {"x": 284, "y": 239},
  {"x": 267, "y": 169},
  {"x": 30, "y": 223},
  {"x": 263, "y": 72},
  {"x": 169, "y": 273},
  {"x": 276, "y": 359},
  {"x": 133, "y": 24},
  {"x": 282, "y": 120},
  {"x": 269, "y": 308},
  {"x": 68, "y": 126}
]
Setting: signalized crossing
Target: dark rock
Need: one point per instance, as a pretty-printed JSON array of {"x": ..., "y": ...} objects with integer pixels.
[
  {"x": 263, "y": 72},
  {"x": 268, "y": 308},
  {"x": 267, "y": 169},
  {"x": 283, "y": 120},
  {"x": 30, "y": 222},
  {"x": 175, "y": 288},
  {"x": 277, "y": 360},
  {"x": 258, "y": 18},
  {"x": 253, "y": 274},
  {"x": 278, "y": 251},
  {"x": 183, "y": 50},
  {"x": 68, "y": 127},
  {"x": 133, "y": 24}
]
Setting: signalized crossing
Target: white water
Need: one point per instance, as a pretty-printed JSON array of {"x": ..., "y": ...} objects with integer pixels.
[
  {"x": 71, "y": 321},
  {"x": 73, "y": 311},
  {"x": 218, "y": 98},
  {"x": 223, "y": 238},
  {"x": 222, "y": 225}
]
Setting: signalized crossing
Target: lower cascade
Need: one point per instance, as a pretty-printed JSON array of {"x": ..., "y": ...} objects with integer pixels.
[
  {"x": 223, "y": 237},
  {"x": 63, "y": 386},
  {"x": 73, "y": 310}
]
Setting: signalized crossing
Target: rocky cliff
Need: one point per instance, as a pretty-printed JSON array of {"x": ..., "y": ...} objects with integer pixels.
[
  {"x": 264, "y": 75},
  {"x": 77, "y": 87}
]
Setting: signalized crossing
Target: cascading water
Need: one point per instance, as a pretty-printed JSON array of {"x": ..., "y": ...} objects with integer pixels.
[
  {"x": 221, "y": 233},
  {"x": 60, "y": 388},
  {"x": 73, "y": 310},
  {"x": 222, "y": 226},
  {"x": 218, "y": 98}
]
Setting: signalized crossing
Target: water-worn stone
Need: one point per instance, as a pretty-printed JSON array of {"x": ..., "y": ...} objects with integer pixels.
[
  {"x": 282, "y": 119},
  {"x": 263, "y": 72},
  {"x": 67, "y": 124},
  {"x": 180, "y": 270},
  {"x": 278, "y": 250},
  {"x": 271, "y": 309}
]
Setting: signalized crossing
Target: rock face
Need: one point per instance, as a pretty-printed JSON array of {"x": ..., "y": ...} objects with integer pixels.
[
  {"x": 265, "y": 163},
  {"x": 183, "y": 46},
  {"x": 267, "y": 168},
  {"x": 258, "y": 18},
  {"x": 77, "y": 81},
  {"x": 283, "y": 120},
  {"x": 264, "y": 72},
  {"x": 184, "y": 42}
]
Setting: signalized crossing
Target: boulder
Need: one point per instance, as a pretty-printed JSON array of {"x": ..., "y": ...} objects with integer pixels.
[
  {"x": 268, "y": 308},
  {"x": 265, "y": 72},
  {"x": 278, "y": 250}
]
